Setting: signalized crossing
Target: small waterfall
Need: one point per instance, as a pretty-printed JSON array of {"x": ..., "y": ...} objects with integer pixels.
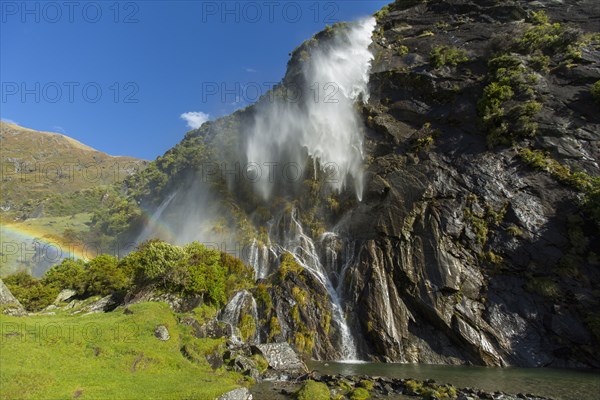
[
  {"x": 233, "y": 312},
  {"x": 303, "y": 249},
  {"x": 259, "y": 259}
]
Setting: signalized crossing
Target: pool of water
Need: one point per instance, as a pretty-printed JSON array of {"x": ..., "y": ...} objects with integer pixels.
[{"x": 562, "y": 384}]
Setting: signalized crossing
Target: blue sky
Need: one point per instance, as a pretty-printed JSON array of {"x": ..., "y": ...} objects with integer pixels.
[{"x": 118, "y": 75}]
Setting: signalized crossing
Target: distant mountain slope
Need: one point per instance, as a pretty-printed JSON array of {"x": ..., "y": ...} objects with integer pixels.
[
  {"x": 37, "y": 165},
  {"x": 50, "y": 184}
]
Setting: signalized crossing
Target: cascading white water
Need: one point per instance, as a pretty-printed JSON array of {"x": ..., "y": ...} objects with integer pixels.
[
  {"x": 258, "y": 258},
  {"x": 303, "y": 249},
  {"x": 232, "y": 313},
  {"x": 324, "y": 125}
]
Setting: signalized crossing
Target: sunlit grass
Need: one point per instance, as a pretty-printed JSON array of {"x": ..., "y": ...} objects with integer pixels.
[{"x": 105, "y": 356}]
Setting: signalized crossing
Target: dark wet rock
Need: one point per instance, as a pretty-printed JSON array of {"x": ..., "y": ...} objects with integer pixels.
[{"x": 213, "y": 328}]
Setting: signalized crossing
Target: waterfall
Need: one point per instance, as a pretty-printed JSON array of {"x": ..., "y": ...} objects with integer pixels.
[
  {"x": 303, "y": 249},
  {"x": 323, "y": 122},
  {"x": 258, "y": 258},
  {"x": 233, "y": 311}
]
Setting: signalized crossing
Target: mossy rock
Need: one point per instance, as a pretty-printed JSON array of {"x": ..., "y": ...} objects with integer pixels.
[
  {"x": 360, "y": 394},
  {"x": 312, "y": 390},
  {"x": 366, "y": 384}
]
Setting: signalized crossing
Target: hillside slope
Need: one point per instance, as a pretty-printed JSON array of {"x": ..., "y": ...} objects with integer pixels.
[
  {"x": 50, "y": 186},
  {"x": 37, "y": 165}
]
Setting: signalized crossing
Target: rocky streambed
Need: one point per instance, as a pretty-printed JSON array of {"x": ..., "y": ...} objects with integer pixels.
[{"x": 284, "y": 376}]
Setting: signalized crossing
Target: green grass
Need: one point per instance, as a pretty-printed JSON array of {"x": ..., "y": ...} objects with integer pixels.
[{"x": 106, "y": 356}]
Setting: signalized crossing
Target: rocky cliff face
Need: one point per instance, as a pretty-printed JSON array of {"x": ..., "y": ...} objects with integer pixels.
[
  {"x": 475, "y": 239},
  {"x": 467, "y": 253}
]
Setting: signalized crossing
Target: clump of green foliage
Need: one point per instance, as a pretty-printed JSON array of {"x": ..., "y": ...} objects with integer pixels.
[
  {"x": 509, "y": 102},
  {"x": 188, "y": 271},
  {"x": 31, "y": 292},
  {"x": 514, "y": 231},
  {"x": 367, "y": 384},
  {"x": 312, "y": 390},
  {"x": 446, "y": 55},
  {"x": 247, "y": 327},
  {"x": 550, "y": 39},
  {"x": 581, "y": 181},
  {"x": 289, "y": 265},
  {"x": 543, "y": 286},
  {"x": 595, "y": 91},
  {"x": 385, "y": 10},
  {"x": 263, "y": 297},
  {"x": 395, "y": 6}
]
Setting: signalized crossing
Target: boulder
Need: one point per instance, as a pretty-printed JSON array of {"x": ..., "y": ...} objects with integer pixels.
[
  {"x": 162, "y": 333},
  {"x": 64, "y": 295},
  {"x": 236, "y": 394},
  {"x": 9, "y": 303},
  {"x": 281, "y": 357},
  {"x": 104, "y": 304},
  {"x": 212, "y": 329}
]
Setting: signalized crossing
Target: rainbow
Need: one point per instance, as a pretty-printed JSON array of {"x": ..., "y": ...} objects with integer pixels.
[
  {"x": 26, "y": 242},
  {"x": 154, "y": 229}
]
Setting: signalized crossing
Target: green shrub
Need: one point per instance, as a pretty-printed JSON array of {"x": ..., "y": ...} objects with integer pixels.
[
  {"x": 263, "y": 297},
  {"x": 543, "y": 286},
  {"x": 288, "y": 265},
  {"x": 595, "y": 91},
  {"x": 379, "y": 15},
  {"x": 539, "y": 18},
  {"x": 445, "y": 55},
  {"x": 69, "y": 274},
  {"x": 274, "y": 328},
  {"x": 514, "y": 231},
  {"x": 312, "y": 390},
  {"x": 261, "y": 364},
  {"x": 31, "y": 292},
  {"x": 247, "y": 327},
  {"x": 103, "y": 276}
]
